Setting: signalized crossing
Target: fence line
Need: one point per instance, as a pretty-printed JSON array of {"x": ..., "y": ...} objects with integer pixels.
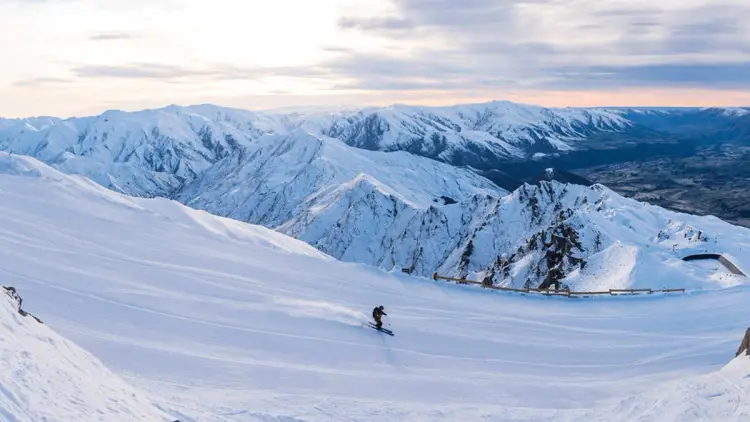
[{"x": 554, "y": 292}]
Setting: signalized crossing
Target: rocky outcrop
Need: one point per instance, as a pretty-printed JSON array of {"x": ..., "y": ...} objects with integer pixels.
[{"x": 744, "y": 344}]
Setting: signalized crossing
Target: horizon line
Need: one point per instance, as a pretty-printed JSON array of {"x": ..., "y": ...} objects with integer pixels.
[{"x": 323, "y": 108}]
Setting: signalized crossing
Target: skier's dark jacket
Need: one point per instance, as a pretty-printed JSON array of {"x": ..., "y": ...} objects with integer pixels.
[{"x": 377, "y": 314}]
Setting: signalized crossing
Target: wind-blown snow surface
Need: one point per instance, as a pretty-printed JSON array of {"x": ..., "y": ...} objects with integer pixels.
[
  {"x": 44, "y": 377},
  {"x": 718, "y": 396},
  {"x": 221, "y": 321}
]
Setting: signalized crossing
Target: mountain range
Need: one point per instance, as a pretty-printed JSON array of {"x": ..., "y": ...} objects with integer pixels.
[
  {"x": 177, "y": 143},
  {"x": 153, "y": 152},
  {"x": 421, "y": 189}
]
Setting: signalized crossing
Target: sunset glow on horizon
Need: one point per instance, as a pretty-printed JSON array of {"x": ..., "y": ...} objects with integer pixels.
[{"x": 78, "y": 57}]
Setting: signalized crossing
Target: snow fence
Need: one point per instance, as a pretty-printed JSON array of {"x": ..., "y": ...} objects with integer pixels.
[{"x": 556, "y": 292}]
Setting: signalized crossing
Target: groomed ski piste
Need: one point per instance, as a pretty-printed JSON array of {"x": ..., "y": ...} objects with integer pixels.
[{"x": 200, "y": 318}]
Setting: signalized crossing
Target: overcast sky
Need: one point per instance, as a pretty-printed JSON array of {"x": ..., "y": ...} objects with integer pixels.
[{"x": 74, "y": 57}]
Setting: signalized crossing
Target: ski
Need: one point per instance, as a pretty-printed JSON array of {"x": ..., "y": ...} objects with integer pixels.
[{"x": 389, "y": 332}]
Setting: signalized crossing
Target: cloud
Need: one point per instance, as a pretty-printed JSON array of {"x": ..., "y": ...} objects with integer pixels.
[
  {"x": 458, "y": 45},
  {"x": 22, "y": 2},
  {"x": 168, "y": 72},
  {"x": 109, "y": 36},
  {"x": 714, "y": 76},
  {"x": 375, "y": 23},
  {"x": 551, "y": 43},
  {"x": 41, "y": 81},
  {"x": 378, "y": 50},
  {"x": 446, "y": 15},
  {"x": 137, "y": 71}
]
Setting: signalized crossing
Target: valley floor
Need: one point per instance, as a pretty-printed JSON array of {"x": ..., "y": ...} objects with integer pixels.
[
  {"x": 221, "y": 321},
  {"x": 713, "y": 182}
]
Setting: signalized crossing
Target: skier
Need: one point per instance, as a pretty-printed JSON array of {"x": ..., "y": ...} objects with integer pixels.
[{"x": 378, "y": 313}]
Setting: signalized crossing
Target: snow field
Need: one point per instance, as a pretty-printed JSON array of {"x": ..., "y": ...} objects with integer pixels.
[{"x": 215, "y": 320}]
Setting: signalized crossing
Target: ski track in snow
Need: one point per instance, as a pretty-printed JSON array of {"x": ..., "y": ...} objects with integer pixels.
[{"x": 221, "y": 321}]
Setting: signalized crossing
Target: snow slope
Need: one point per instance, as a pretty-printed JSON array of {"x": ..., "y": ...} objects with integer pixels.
[
  {"x": 44, "y": 377},
  {"x": 221, "y": 321},
  {"x": 721, "y": 395}
]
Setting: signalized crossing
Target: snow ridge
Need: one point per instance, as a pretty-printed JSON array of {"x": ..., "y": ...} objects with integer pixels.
[{"x": 46, "y": 377}]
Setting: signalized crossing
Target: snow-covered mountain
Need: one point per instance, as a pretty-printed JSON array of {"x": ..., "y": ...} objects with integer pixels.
[
  {"x": 357, "y": 185},
  {"x": 348, "y": 202},
  {"x": 153, "y": 152},
  {"x": 280, "y": 176},
  {"x": 215, "y": 320},
  {"x": 472, "y": 134},
  {"x": 585, "y": 238},
  {"x": 398, "y": 211},
  {"x": 45, "y": 377},
  {"x": 681, "y": 120},
  {"x": 712, "y": 123},
  {"x": 146, "y": 153}
]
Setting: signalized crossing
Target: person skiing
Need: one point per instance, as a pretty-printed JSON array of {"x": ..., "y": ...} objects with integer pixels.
[{"x": 378, "y": 313}]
